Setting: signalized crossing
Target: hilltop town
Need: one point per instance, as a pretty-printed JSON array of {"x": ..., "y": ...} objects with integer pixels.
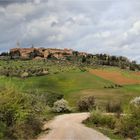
[
  {"x": 80, "y": 58},
  {"x": 42, "y": 53}
]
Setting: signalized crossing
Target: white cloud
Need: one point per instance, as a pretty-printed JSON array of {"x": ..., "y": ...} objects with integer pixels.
[{"x": 136, "y": 28}]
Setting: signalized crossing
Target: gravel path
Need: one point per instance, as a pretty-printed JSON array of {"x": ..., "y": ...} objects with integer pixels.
[{"x": 69, "y": 127}]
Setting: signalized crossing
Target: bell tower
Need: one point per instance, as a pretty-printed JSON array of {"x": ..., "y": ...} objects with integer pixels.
[{"x": 18, "y": 44}]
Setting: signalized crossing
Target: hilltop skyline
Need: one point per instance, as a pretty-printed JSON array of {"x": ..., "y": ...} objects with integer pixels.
[{"x": 92, "y": 26}]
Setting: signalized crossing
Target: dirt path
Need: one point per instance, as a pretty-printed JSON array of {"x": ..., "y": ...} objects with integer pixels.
[{"x": 69, "y": 127}]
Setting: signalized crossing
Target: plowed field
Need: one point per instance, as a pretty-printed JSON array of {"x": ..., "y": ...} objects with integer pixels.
[{"x": 116, "y": 77}]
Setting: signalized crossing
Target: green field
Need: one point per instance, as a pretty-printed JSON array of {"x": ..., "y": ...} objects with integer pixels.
[
  {"x": 73, "y": 85},
  {"x": 32, "y": 97}
]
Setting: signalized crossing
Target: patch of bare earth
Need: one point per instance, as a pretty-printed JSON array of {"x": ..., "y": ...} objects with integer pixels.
[
  {"x": 116, "y": 77},
  {"x": 137, "y": 73}
]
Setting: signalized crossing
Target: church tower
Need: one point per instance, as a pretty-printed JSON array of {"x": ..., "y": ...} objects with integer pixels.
[{"x": 18, "y": 45}]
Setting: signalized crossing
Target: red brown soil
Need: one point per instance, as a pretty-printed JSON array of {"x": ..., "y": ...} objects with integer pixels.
[
  {"x": 116, "y": 77},
  {"x": 137, "y": 73}
]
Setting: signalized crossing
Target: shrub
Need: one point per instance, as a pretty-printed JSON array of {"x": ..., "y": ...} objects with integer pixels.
[
  {"x": 129, "y": 125},
  {"x": 27, "y": 129},
  {"x": 45, "y": 72},
  {"x": 50, "y": 98},
  {"x": 20, "y": 114},
  {"x": 24, "y": 75},
  {"x": 83, "y": 69},
  {"x": 100, "y": 119},
  {"x": 114, "y": 107},
  {"x": 136, "y": 101},
  {"x": 2, "y": 129},
  {"x": 61, "y": 106},
  {"x": 86, "y": 103}
]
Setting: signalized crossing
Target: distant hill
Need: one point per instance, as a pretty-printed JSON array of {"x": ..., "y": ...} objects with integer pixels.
[{"x": 70, "y": 55}]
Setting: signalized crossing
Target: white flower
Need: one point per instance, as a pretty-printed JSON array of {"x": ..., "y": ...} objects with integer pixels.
[
  {"x": 136, "y": 101},
  {"x": 61, "y": 106}
]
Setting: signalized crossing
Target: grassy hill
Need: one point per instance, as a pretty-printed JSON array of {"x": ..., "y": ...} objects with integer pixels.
[
  {"x": 75, "y": 84},
  {"x": 27, "y": 94}
]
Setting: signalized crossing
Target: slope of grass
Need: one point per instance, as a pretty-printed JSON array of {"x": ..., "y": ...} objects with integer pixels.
[
  {"x": 70, "y": 84},
  {"x": 62, "y": 82},
  {"x": 70, "y": 81},
  {"x": 74, "y": 85}
]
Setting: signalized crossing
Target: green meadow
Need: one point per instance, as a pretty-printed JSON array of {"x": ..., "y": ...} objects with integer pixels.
[
  {"x": 73, "y": 85},
  {"x": 29, "y": 100}
]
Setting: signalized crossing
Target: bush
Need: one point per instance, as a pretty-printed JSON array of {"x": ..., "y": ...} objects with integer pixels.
[
  {"x": 114, "y": 107},
  {"x": 50, "y": 98},
  {"x": 129, "y": 126},
  {"x": 27, "y": 129},
  {"x": 24, "y": 75},
  {"x": 61, "y": 106},
  {"x": 20, "y": 114},
  {"x": 100, "y": 119},
  {"x": 136, "y": 101},
  {"x": 86, "y": 103},
  {"x": 2, "y": 129}
]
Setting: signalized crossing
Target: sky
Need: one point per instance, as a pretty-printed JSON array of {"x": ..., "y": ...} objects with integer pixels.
[{"x": 93, "y": 26}]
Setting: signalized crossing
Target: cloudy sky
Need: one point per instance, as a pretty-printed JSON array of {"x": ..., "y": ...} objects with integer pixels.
[{"x": 95, "y": 26}]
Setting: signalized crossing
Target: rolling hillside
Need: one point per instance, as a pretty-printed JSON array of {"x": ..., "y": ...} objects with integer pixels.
[
  {"x": 75, "y": 84},
  {"x": 28, "y": 94}
]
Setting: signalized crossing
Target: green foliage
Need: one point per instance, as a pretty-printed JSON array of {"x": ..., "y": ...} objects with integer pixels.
[
  {"x": 52, "y": 97},
  {"x": 21, "y": 114},
  {"x": 75, "y": 84},
  {"x": 113, "y": 86},
  {"x": 61, "y": 106},
  {"x": 99, "y": 119},
  {"x": 136, "y": 101},
  {"x": 24, "y": 75},
  {"x": 129, "y": 126},
  {"x": 28, "y": 68},
  {"x": 121, "y": 62},
  {"x": 26, "y": 129},
  {"x": 113, "y": 106},
  {"x": 18, "y": 68},
  {"x": 86, "y": 103},
  {"x": 2, "y": 129}
]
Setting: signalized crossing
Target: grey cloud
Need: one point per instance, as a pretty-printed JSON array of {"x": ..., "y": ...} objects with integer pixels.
[
  {"x": 97, "y": 26},
  {"x": 7, "y": 2}
]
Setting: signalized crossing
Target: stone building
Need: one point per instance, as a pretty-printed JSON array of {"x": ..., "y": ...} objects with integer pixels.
[{"x": 30, "y": 53}]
